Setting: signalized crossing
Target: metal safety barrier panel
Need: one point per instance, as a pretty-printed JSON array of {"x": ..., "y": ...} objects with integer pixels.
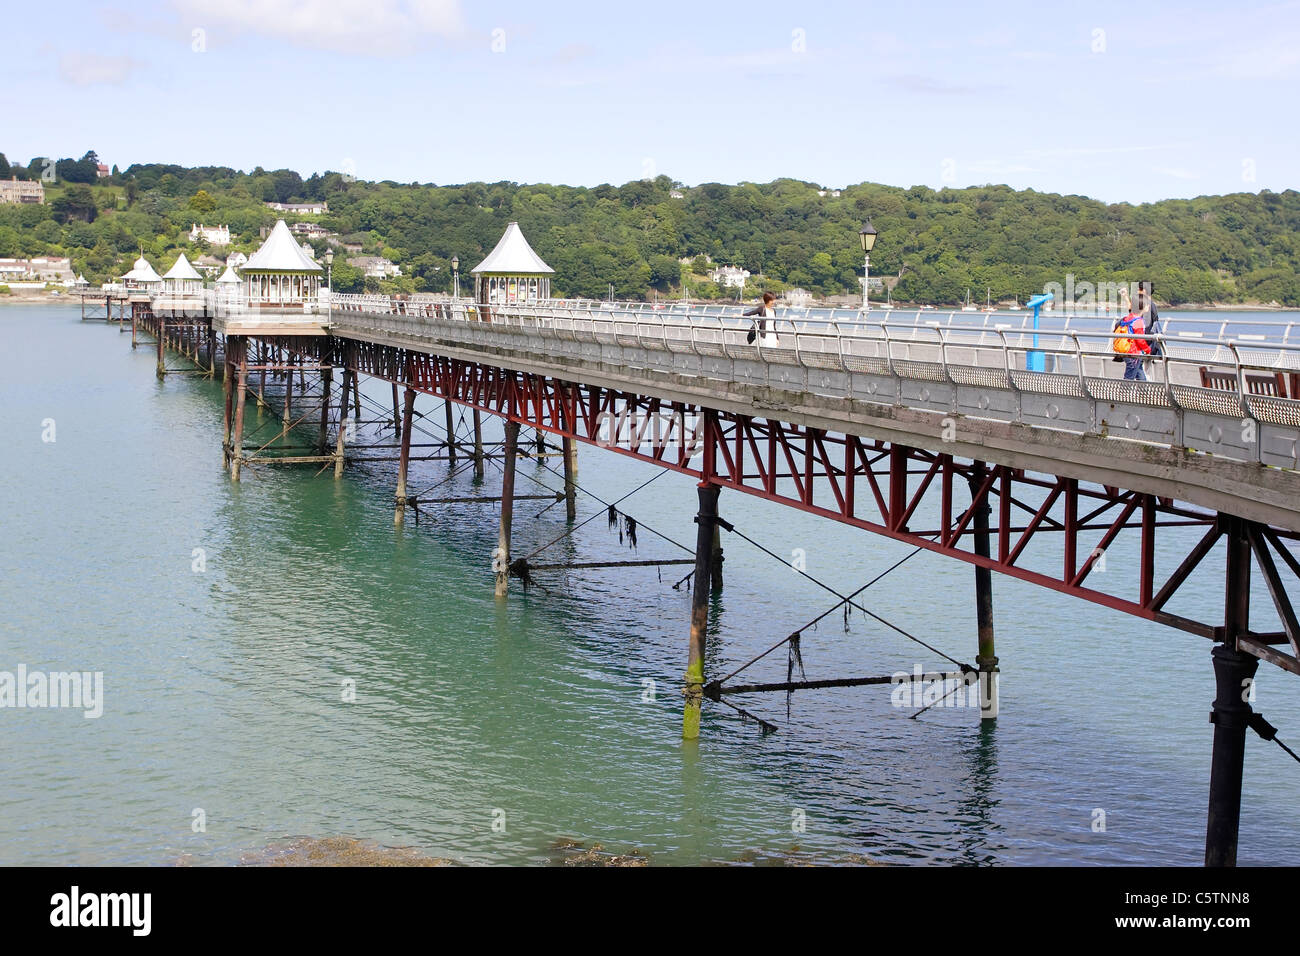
[{"x": 970, "y": 371}]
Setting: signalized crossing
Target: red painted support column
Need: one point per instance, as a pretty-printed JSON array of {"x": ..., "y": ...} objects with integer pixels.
[
  {"x": 501, "y": 559},
  {"x": 404, "y": 458},
  {"x": 897, "y": 486},
  {"x": 241, "y": 390},
  {"x": 339, "y": 448},
  {"x": 478, "y": 446},
  {"x": 228, "y": 419},
  {"x": 451, "y": 435},
  {"x": 162, "y": 333},
  {"x": 1233, "y": 670},
  {"x": 705, "y": 522},
  {"x": 986, "y": 659},
  {"x": 327, "y": 382}
]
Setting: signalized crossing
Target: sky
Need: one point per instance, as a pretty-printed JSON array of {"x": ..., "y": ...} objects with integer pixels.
[{"x": 1121, "y": 101}]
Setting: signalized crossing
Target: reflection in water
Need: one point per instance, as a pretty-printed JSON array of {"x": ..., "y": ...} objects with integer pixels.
[{"x": 975, "y": 823}]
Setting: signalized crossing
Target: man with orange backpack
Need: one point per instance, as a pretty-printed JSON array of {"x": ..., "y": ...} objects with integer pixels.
[{"x": 1132, "y": 350}]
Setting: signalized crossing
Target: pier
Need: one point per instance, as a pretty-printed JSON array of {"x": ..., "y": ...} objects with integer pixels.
[{"x": 977, "y": 437}]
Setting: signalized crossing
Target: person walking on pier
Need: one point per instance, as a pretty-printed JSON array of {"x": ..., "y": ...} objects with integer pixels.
[
  {"x": 1146, "y": 306},
  {"x": 1133, "y": 350},
  {"x": 759, "y": 331}
]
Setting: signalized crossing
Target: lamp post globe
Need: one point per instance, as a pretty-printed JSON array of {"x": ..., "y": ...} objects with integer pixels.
[{"x": 867, "y": 234}]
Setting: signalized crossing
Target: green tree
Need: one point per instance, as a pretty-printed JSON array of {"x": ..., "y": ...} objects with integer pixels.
[
  {"x": 75, "y": 202},
  {"x": 202, "y": 203}
]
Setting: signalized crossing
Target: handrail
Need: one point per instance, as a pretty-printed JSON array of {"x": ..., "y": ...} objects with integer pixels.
[{"x": 650, "y": 328}]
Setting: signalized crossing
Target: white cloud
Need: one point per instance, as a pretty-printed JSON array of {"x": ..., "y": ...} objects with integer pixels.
[
  {"x": 376, "y": 27},
  {"x": 95, "y": 69}
]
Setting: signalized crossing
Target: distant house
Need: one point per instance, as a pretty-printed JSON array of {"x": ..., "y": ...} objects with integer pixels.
[
  {"x": 236, "y": 260},
  {"x": 21, "y": 191},
  {"x": 675, "y": 194},
  {"x": 300, "y": 208},
  {"x": 311, "y": 230},
  {"x": 213, "y": 235},
  {"x": 39, "y": 269},
  {"x": 798, "y": 298},
  {"x": 833, "y": 193},
  {"x": 375, "y": 267},
  {"x": 732, "y": 277},
  {"x": 14, "y": 269},
  {"x": 101, "y": 171}
]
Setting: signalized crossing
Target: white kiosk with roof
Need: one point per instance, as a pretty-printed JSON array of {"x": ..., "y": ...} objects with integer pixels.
[
  {"x": 512, "y": 273},
  {"x": 182, "y": 278},
  {"x": 280, "y": 274}
]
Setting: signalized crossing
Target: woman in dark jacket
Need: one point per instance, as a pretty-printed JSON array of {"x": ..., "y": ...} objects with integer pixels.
[{"x": 763, "y": 312}]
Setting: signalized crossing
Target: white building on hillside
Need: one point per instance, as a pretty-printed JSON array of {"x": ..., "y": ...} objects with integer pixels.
[
  {"x": 301, "y": 208},
  {"x": 375, "y": 267},
  {"x": 799, "y": 298},
  {"x": 213, "y": 235},
  {"x": 732, "y": 277}
]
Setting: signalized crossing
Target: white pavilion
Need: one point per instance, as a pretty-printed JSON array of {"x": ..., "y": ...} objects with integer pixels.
[
  {"x": 142, "y": 277},
  {"x": 512, "y": 273},
  {"x": 280, "y": 273},
  {"x": 228, "y": 285},
  {"x": 183, "y": 278}
]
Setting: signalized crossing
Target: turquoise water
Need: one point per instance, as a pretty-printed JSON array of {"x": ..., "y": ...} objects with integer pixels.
[{"x": 223, "y": 686}]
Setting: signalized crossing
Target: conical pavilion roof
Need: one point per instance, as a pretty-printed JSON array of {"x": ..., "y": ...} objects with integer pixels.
[
  {"x": 280, "y": 253},
  {"x": 183, "y": 270},
  {"x": 229, "y": 276},
  {"x": 513, "y": 255},
  {"x": 142, "y": 272}
]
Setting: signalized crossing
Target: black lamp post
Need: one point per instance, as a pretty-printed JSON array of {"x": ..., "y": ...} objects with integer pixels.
[
  {"x": 868, "y": 236},
  {"x": 455, "y": 277}
]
